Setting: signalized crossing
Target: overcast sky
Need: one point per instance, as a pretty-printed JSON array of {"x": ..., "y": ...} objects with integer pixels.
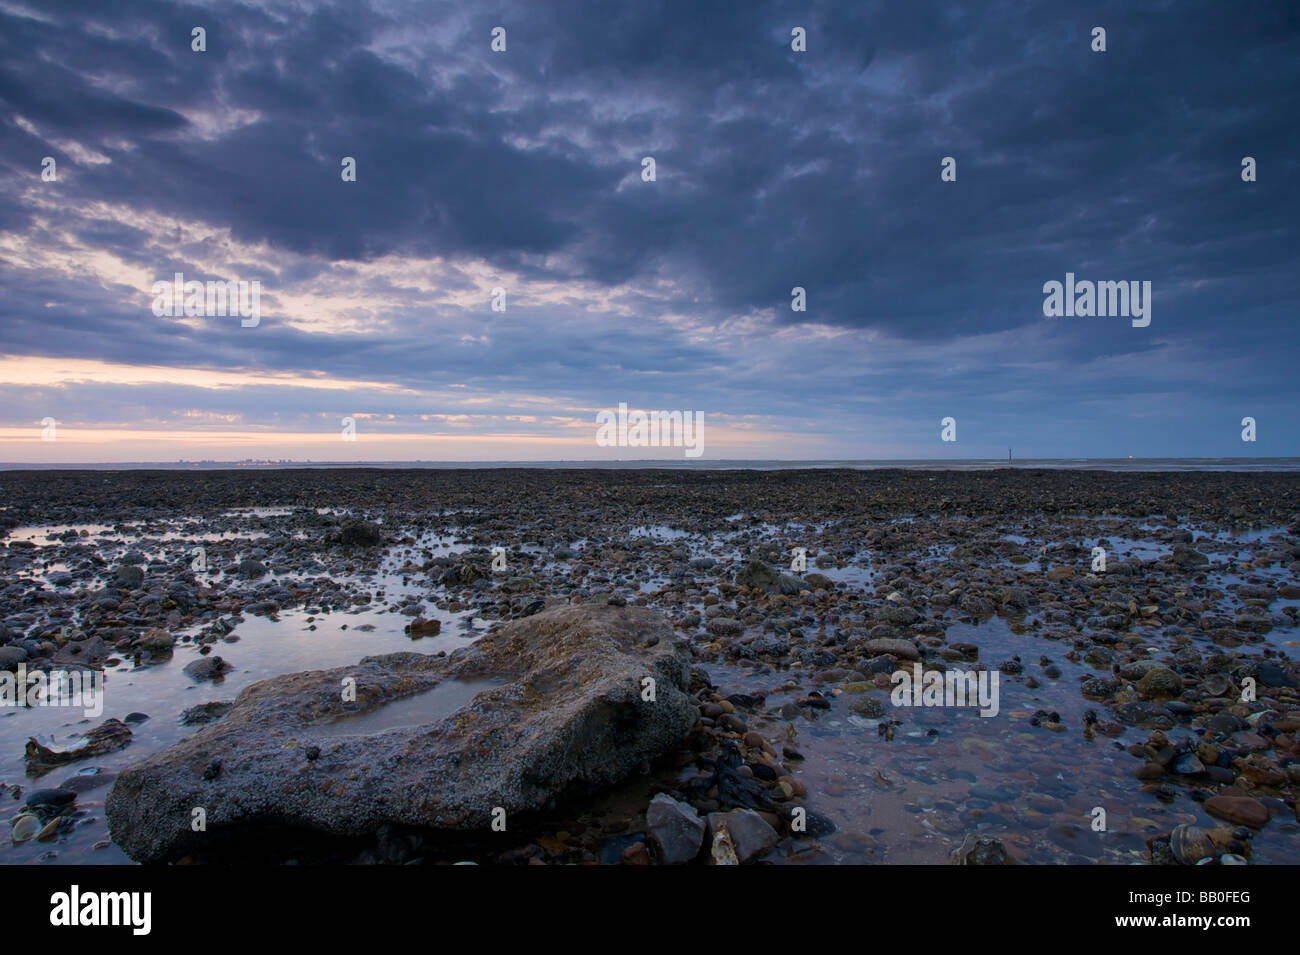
[{"x": 522, "y": 170}]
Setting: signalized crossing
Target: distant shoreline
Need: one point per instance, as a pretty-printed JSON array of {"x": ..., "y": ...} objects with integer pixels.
[{"x": 1180, "y": 465}]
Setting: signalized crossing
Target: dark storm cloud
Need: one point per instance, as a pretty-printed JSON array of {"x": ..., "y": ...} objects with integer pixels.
[{"x": 820, "y": 178}]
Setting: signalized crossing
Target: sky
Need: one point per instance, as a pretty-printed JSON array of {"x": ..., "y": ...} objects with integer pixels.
[{"x": 516, "y": 177}]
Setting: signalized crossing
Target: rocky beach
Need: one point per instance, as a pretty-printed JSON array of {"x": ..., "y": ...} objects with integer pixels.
[{"x": 541, "y": 666}]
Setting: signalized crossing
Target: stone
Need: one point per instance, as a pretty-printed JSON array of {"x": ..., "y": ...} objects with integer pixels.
[
  {"x": 902, "y": 649},
  {"x": 207, "y": 668},
  {"x": 1017, "y": 598},
  {"x": 251, "y": 569},
  {"x": 53, "y": 798},
  {"x": 156, "y": 640},
  {"x": 1272, "y": 675},
  {"x": 978, "y": 850},
  {"x": 206, "y": 712},
  {"x": 898, "y": 616},
  {"x": 11, "y": 656},
  {"x": 419, "y": 627},
  {"x": 674, "y": 829},
  {"x": 128, "y": 576},
  {"x": 86, "y": 782},
  {"x": 360, "y": 534},
  {"x": 760, "y": 576},
  {"x": 560, "y": 714},
  {"x": 635, "y": 854},
  {"x": 1242, "y": 810},
  {"x": 1161, "y": 683},
  {"x": 1186, "y": 557},
  {"x": 749, "y": 833},
  {"x": 107, "y": 736},
  {"x": 1188, "y": 765},
  {"x": 1148, "y": 715},
  {"x": 790, "y": 585},
  {"x": 90, "y": 652},
  {"x": 868, "y": 707}
]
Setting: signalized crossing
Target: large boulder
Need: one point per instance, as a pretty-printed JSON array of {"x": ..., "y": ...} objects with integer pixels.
[{"x": 540, "y": 709}]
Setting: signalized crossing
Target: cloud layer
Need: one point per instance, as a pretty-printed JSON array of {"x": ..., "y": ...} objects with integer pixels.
[{"x": 521, "y": 170}]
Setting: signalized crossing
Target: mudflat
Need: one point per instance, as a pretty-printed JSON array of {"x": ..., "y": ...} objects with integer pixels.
[{"x": 1138, "y": 629}]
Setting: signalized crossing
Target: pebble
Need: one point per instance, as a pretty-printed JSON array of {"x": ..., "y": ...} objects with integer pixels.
[
  {"x": 890, "y": 593},
  {"x": 1242, "y": 810}
]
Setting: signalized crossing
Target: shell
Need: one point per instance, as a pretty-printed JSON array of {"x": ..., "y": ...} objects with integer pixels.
[
  {"x": 723, "y": 852},
  {"x": 50, "y": 830},
  {"x": 24, "y": 827},
  {"x": 1190, "y": 845}
]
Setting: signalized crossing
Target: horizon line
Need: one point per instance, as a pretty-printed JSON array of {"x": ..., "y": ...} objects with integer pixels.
[{"x": 595, "y": 463}]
